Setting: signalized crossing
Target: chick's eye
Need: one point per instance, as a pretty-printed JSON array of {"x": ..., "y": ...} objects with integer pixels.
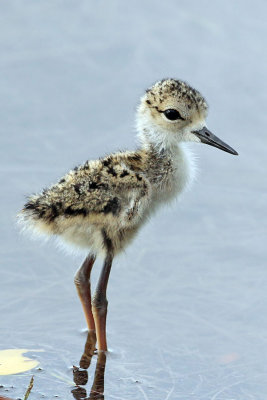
[{"x": 172, "y": 114}]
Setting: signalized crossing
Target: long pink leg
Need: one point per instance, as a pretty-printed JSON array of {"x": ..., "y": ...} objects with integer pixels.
[
  {"x": 82, "y": 282},
  {"x": 100, "y": 303}
]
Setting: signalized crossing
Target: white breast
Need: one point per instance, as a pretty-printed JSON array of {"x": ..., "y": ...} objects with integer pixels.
[{"x": 180, "y": 179}]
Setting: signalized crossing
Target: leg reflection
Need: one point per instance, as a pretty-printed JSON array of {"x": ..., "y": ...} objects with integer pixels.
[
  {"x": 80, "y": 374},
  {"x": 97, "y": 391}
]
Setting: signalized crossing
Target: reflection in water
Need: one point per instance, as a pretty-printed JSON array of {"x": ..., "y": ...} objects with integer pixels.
[
  {"x": 97, "y": 391},
  {"x": 80, "y": 374}
]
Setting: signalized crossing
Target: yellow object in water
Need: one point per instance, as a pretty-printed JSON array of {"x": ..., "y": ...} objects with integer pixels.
[{"x": 12, "y": 361}]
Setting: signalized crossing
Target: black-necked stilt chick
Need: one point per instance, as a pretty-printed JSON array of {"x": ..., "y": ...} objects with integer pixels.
[{"x": 102, "y": 204}]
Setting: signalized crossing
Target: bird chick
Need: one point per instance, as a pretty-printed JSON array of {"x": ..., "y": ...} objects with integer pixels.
[{"x": 101, "y": 205}]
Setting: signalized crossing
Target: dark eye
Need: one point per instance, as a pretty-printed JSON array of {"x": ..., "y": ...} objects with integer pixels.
[{"x": 172, "y": 114}]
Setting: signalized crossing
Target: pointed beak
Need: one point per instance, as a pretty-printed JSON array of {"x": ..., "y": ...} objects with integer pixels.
[{"x": 207, "y": 137}]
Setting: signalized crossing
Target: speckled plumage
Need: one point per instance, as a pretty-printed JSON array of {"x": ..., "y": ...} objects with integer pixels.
[
  {"x": 102, "y": 204},
  {"x": 101, "y": 194},
  {"x": 166, "y": 89},
  {"x": 113, "y": 196}
]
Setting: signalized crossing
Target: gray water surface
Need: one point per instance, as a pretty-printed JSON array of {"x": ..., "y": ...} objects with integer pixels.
[{"x": 187, "y": 301}]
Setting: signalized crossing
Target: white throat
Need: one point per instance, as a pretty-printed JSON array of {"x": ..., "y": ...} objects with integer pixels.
[
  {"x": 155, "y": 136},
  {"x": 181, "y": 157},
  {"x": 150, "y": 133}
]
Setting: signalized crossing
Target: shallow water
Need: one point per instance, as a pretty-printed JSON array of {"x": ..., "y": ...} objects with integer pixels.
[{"x": 187, "y": 301}]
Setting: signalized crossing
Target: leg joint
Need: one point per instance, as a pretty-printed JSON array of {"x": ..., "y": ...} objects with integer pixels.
[
  {"x": 82, "y": 276},
  {"x": 99, "y": 301},
  {"x": 81, "y": 280}
]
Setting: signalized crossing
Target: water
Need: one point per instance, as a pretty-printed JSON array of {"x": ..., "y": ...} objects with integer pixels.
[{"x": 187, "y": 301}]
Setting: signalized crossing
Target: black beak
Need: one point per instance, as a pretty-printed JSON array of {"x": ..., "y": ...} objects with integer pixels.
[{"x": 207, "y": 137}]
